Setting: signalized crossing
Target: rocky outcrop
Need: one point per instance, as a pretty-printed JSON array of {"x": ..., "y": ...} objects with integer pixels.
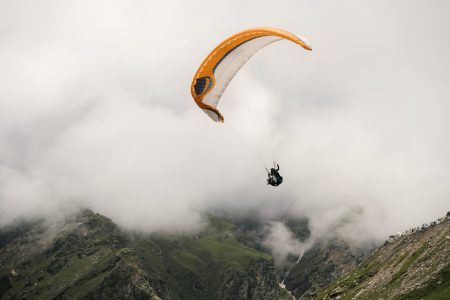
[
  {"x": 84, "y": 257},
  {"x": 258, "y": 284},
  {"x": 412, "y": 265},
  {"x": 325, "y": 261}
]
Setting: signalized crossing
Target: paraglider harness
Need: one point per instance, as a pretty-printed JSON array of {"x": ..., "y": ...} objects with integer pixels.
[{"x": 275, "y": 179}]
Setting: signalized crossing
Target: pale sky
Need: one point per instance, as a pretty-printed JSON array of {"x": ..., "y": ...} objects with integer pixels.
[{"x": 96, "y": 112}]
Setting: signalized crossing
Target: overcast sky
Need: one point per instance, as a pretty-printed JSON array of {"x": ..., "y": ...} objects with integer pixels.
[{"x": 96, "y": 111}]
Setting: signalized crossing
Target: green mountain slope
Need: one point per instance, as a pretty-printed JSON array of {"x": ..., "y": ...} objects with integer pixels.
[
  {"x": 89, "y": 257},
  {"x": 85, "y": 258},
  {"x": 415, "y": 265},
  {"x": 211, "y": 265}
]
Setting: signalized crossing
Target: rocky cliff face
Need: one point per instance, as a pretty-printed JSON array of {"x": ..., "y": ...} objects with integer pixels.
[
  {"x": 89, "y": 257},
  {"x": 84, "y": 257},
  {"x": 325, "y": 261},
  {"x": 410, "y": 265},
  {"x": 256, "y": 286}
]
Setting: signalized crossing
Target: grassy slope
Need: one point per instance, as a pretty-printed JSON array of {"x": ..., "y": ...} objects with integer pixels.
[
  {"x": 414, "y": 266},
  {"x": 192, "y": 268},
  {"x": 75, "y": 261}
]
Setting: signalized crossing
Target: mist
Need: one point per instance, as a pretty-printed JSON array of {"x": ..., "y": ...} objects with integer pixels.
[
  {"x": 95, "y": 112},
  {"x": 282, "y": 243}
]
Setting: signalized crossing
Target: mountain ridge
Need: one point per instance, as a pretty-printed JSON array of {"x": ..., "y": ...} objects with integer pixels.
[
  {"x": 410, "y": 265},
  {"x": 88, "y": 257}
]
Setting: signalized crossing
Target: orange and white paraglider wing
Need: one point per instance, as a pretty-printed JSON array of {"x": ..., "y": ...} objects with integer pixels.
[{"x": 220, "y": 66}]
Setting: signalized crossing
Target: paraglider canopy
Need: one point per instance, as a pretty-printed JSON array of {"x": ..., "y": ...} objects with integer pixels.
[{"x": 220, "y": 66}]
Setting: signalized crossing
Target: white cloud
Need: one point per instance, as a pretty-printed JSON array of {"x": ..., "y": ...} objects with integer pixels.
[
  {"x": 282, "y": 243},
  {"x": 95, "y": 111}
]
